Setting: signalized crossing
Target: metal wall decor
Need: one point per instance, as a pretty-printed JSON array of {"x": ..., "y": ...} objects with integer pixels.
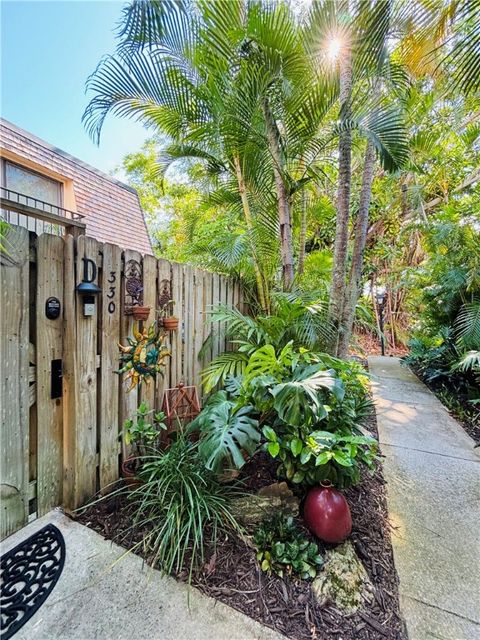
[
  {"x": 133, "y": 286},
  {"x": 28, "y": 575},
  {"x": 165, "y": 296},
  {"x": 180, "y": 405},
  {"x": 145, "y": 355}
]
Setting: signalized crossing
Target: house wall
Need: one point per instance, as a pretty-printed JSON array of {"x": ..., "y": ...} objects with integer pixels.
[{"x": 111, "y": 209}]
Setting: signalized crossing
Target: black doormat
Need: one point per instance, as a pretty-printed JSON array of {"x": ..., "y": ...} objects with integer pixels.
[{"x": 28, "y": 574}]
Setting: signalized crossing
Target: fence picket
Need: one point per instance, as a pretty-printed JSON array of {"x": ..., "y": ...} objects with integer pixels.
[
  {"x": 86, "y": 380},
  {"x": 147, "y": 391},
  {"x": 177, "y": 336},
  {"x": 164, "y": 290},
  {"x": 109, "y": 315},
  {"x": 14, "y": 339},
  {"x": 49, "y": 346},
  {"x": 128, "y": 399}
]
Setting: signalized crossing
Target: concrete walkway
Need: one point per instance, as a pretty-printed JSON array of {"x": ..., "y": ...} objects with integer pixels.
[
  {"x": 100, "y": 597},
  {"x": 433, "y": 484}
]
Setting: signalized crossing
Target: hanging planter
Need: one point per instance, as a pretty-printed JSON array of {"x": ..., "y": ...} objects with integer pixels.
[
  {"x": 168, "y": 320},
  {"x": 327, "y": 514},
  {"x": 141, "y": 313},
  {"x": 170, "y": 323}
]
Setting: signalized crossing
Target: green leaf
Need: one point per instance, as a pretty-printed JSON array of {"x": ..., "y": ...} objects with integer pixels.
[
  {"x": 299, "y": 401},
  {"x": 298, "y": 477},
  {"x": 342, "y": 459},
  {"x": 224, "y": 432},
  {"x": 273, "y": 449},
  {"x": 269, "y": 434},
  {"x": 306, "y": 455},
  {"x": 323, "y": 458},
  {"x": 296, "y": 446}
]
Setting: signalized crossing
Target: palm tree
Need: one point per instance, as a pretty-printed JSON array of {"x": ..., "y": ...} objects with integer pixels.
[{"x": 235, "y": 86}]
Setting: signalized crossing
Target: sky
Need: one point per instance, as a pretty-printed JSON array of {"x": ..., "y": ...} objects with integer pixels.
[{"x": 48, "y": 49}]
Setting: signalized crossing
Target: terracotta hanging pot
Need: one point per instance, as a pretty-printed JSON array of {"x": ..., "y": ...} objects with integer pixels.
[
  {"x": 129, "y": 472},
  {"x": 327, "y": 514},
  {"x": 141, "y": 313},
  {"x": 170, "y": 323}
]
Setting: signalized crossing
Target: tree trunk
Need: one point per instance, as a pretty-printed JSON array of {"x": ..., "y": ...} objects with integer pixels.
[
  {"x": 262, "y": 294},
  {"x": 303, "y": 233},
  {"x": 283, "y": 203},
  {"x": 340, "y": 252},
  {"x": 352, "y": 292}
]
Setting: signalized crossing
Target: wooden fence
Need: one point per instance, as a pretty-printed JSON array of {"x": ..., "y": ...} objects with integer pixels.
[{"x": 61, "y": 450}]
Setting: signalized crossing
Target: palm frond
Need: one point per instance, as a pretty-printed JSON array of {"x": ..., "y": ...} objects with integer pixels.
[
  {"x": 467, "y": 325},
  {"x": 232, "y": 363}
]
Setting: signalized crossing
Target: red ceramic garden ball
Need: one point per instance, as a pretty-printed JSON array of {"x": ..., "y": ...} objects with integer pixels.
[{"x": 327, "y": 514}]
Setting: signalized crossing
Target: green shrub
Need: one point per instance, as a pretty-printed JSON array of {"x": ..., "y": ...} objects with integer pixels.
[
  {"x": 308, "y": 457},
  {"x": 283, "y": 549},
  {"x": 297, "y": 395}
]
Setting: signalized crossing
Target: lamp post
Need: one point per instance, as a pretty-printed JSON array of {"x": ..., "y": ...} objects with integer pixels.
[{"x": 380, "y": 297}]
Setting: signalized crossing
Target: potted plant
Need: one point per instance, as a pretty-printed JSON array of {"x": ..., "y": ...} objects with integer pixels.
[
  {"x": 169, "y": 321},
  {"x": 140, "y": 312},
  {"x": 142, "y": 432}
]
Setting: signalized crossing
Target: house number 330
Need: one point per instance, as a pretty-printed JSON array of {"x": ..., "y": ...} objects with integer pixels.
[{"x": 111, "y": 292}]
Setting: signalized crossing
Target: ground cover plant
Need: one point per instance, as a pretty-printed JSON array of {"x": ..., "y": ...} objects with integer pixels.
[{"x": 283, "y": 549}]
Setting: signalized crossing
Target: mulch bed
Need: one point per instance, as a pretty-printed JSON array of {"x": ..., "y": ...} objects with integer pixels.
[{"x": 233, "y": 576}]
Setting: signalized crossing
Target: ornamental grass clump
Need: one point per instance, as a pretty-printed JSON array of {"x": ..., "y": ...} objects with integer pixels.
[{"x": 181, "y": 507}]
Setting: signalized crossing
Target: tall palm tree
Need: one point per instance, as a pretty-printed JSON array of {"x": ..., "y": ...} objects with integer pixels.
[{"x": 234, "y": 86}]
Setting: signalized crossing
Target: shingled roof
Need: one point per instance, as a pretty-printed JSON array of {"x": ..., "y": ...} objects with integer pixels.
[{"x": 111, "y": 209}]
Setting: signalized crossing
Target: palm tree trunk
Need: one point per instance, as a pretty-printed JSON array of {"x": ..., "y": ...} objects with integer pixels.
[
  {"x": 352, "y": 292},
  {"x": 262, "y": 295},
  {"x": 283, "y": 203},
  {"x": 340, "y": 252},
  {"x": 303, "y": 233}
]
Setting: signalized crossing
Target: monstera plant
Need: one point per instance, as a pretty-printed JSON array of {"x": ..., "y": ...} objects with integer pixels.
[{"x": 226, "y": 430}]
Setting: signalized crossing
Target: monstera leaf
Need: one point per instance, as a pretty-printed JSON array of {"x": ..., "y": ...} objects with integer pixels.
[
  {"x": 299, "y": 401},
  {"x": 225, "y": 432}
]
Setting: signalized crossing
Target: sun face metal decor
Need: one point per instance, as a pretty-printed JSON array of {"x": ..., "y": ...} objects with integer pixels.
[{"x": 145, "y": 355}]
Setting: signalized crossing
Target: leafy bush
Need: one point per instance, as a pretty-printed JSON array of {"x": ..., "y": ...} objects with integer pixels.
[
  {"x": 310, "y": 457},
  {"x": 180, "y": 507},
  {"x": 283, "y": 549},
  {"x": 295, "y": 395}
]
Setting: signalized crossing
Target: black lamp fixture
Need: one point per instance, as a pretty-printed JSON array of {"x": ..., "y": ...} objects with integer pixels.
[{"x": 87, "y": 288}]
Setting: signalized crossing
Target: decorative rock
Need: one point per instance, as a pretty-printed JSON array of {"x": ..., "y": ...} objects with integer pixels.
[
  {"x": 343, "y": 581},
  {"x": 252, "y": 509}
]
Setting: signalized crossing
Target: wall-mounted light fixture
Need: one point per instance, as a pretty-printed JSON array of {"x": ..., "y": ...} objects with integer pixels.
[{"x": 87, "y": 288}]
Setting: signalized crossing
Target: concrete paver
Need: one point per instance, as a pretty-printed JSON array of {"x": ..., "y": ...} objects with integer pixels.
[
  {"x": 102, "y": 596},
  {"x": 433, "y": 484}
]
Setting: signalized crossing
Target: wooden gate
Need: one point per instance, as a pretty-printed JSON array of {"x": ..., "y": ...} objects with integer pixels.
[{"x": 62, "y": 404}]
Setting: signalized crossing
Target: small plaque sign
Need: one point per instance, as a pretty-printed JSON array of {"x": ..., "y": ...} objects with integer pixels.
[{"x": 52, "y": 308}]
